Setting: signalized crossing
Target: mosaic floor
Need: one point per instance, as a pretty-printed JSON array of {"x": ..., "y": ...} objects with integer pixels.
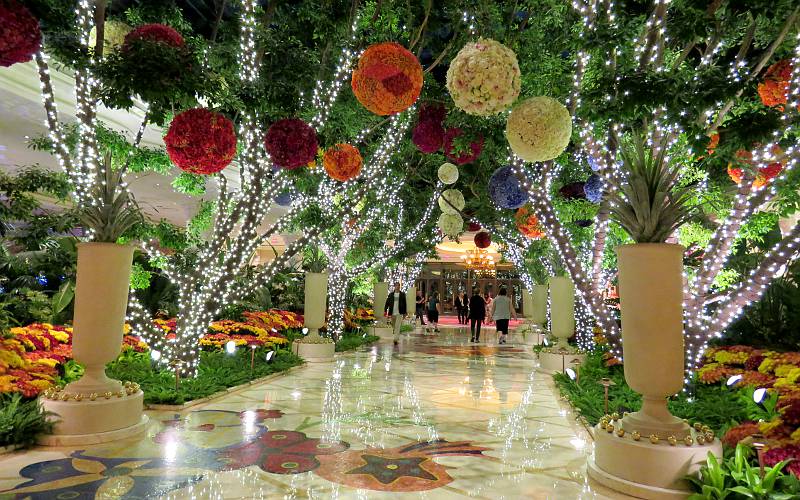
[{"x": 436, "y": 417}]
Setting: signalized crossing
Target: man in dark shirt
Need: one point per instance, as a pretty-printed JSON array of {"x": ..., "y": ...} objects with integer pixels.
[{"x": 477, "y": 312}]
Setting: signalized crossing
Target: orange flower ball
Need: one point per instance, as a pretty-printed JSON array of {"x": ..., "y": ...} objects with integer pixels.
[
  {"x": 388, "y": 78},
  {"x": 764, "y": 175},
  {"x": 527, "y": 223},
  {"x": 774, "y": 89},
  {"x": 342, "y": 162}
]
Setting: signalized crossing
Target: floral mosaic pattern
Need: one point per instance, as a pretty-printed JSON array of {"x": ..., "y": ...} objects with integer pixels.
[{"x": 282, "y": 452}]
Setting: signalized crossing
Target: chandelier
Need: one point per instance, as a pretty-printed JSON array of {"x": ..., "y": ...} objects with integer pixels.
[{"x": 479, "y": 260}]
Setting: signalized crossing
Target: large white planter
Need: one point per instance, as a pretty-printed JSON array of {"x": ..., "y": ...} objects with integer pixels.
[
  {"x": 314, "y": 348},
  {"x": 380, "y": 293},
  {"x": 562, "y": 310},
  {"x": 527, "y": 304},
  {"x": 411, "y": 300},
  {"x": 651, "y": 305},
  {"x": 96, "y": 404},
  {"x": 539, "y": 305}
]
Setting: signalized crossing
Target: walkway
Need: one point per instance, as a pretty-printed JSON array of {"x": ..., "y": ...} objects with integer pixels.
[{"x": 435, "y": 418}]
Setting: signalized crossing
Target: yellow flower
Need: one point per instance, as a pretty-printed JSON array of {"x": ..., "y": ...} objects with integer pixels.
[
  {"x": 767, "y": 365},
  {"x": 782, "y": 382},
  {"x": 766, "y": 427},
  {"x": 796, "y": 436},
  {"x": 794, "y": 375},
  {"x": 47, "y": 361},
  {"x": 783, "y": 370}
]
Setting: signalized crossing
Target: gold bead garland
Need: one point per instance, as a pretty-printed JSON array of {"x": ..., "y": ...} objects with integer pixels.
[
  {"x": 703, "y": 433},
  {"x": 128, "y": 388}
]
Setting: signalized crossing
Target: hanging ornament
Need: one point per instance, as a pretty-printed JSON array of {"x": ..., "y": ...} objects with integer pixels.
[
  {"x": 450, "y": 224},
  {"x": 157, "y": 33},
  {"x": 474, "y": 226},
  {"x": 527, "y": 223},
  {"x": 388, "y": 78},
  {"x": 464, "y": 156},
  {"x": 774, "y": 89},
  {"x": 483, "y": 239},
  {"x": 20, "y": 36},
  {"x": 291, "y": 143},
  {"x": 505, "y": 189},
  {"x": 573, "y": 191},
  {"x": 593, "y": 189},
  {"x": 200, "y": 141},
  {"x": 428, "y": 136},
  {"x": 448, "y": 173},
  {"x": 539, "y": 129},
  {"x": 342, "y": 162},
  {"x": 451, "y": 201},
  {"x": 484, "y": 78}
]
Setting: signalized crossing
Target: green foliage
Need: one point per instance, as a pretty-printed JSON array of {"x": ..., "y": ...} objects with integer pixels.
[
  {"x": 764, "y": 411},
  {"x": 115, "y": 213},
  {"x": 735, "y": 478},
  {"x": 22, "y": 421},
  {"x": 192, "y": 184},
  {"x": 202, "y": 221},
  {"x": 351, "y": 341},
  {"x": 140, "y": 277},
  {"x": 61, "y": 303},
  {"x": 217, "y": 371}
]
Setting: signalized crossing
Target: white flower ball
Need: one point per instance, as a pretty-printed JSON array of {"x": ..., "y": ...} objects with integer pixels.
[
  {"x": 450, "y": 224},
  {"x": 484, "y": 78},
  {"x": 456, "y": 200},
  {"x": 539, "y": 129},
  {"x": 114, "y": 33},
  {"x": 448, "y": 173}
]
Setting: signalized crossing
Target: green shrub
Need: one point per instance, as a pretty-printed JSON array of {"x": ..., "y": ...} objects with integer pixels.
[
  {"x": 351, "y": 341},
  {"x": 21, "y": 420}
]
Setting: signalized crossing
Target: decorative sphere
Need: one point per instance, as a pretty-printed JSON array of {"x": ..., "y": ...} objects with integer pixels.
[
  {"x": 342, "y": 162},
  {"x": 284, "y": 199},
  {"x": 388, "y": 78},
  {"x": 463, "y": 156},
  {"x": 428, "y": 136},
  {"x": 539, "y": 129},
  {"x": 483, "y": 239},
  {"x": 20, "y": 36},
  {"x": 448, "y": 173},
  {"x": 454, "y": 201},
  {"x": 505, "y": 189},
  {"x": 474, "y": 226},
  {"x": 291, "y": 143},
  {"x": 450, "y": 224},
  {"x": 527, "y": 223},
  {"x": 200, "y": 141},
  {"x": 484, "y": 78},
  {"x": 158, "y": 33},
  {"x": 594, "y": 188}
]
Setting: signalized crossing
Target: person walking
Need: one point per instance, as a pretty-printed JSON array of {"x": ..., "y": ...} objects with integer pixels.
[
  {"x": 477, "y": 313},
  {"x": 502, "y": 311},
  {"x": 433, "y": 310},
  {"x": 458, "y": 302},
  {"x": 396, "y": 308},
  {"x": 420, "y": 309},
  {"x": 487, "y": 298}
]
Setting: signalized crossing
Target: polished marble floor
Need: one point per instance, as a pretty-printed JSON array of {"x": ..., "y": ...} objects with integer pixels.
[{"x": 436, "y": 417}]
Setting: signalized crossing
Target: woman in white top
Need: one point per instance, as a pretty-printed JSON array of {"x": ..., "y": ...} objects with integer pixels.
[{"x": 502, "y": 311}]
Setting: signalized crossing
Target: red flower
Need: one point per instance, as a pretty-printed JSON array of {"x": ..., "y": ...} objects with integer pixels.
[
  {"x": 157, "y": 33},
  {"x": 342, "y": 162},
  {"x": 291, "y": 143},
  {"x": 428, "y": 136},
  {"x": 753, "y": 362},
  {"x": 388, "y": 78},
  {"x": 20, "y": 36},
  {"x": 200, "y": 141},
  {"x": 776, "y": 455},
  {"x": 483, "y": 239},
  {"x": 790, "y": 411},
  {"x": 473, "y": 226},
  {"x": 462, "y": 157},
  {"x": 281, "y": 452},
  {"x": 739, "y": 432},
  {"x": 764, "y": 174}
]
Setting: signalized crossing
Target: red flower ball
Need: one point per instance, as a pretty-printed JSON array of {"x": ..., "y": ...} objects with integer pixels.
[
  {"x": 291, "y": 143},
  {"x": 159, "y": 33},
  {"x": 774, "y": 89},
  {"x": 342, "y": 162},
  {"x": 388, "y": 78},
  {"x": 527, "y": 223},
  {"x": 474, "y": 226},
  {"x": 200, "y": 141},
  {"x": 428, "y": 136},
  {"x": 461, "y": 157},
  {"x": 483, "y": 239},
  {"x": 20, "y": 36},
  {"x": 432, "y": 112}
]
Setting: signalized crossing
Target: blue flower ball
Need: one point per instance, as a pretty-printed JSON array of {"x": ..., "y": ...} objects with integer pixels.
[
  {"x": 505, "y": 189},
  {"x": 594, "y": 188},
  {"x": 284, "y": 199}
]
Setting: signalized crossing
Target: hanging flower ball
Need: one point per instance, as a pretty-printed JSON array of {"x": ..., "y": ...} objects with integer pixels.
[
  {"x": 464, "y": 156},
  {"x": 157, "y": 33},
  {"x": 114, "y": 33},
  {"x": 483, "y": 239},
  {"x": 342, "y": 162},
  {"x": 764, "y": 175},
  {"x": 573, "y": 191},
  {"x": 428, "y": 136},
  {"x": 593, "y": 188},
  {"x": 200, "y": 141},
  {"x": 474, "y": 226},
  {"x": 774, "y": 89},
  {"x": 584, "y": 222},
  {"x": 291, "y": 143},
  {"x": 484, "y": 78},
  {"x": 505, "y": 189},
  {"x": 448, "y": 173},
  {"x": 451, "y": 201},
  {"x": 388, "y": 78},
  {"x": 539, "y": 129},
  {"x": 284, "y": 199},
  {"x": 432, "y": 111},
  {"x": 527, "y": 223},
  {"x": 450, "y": 224},
  {"x": 593, "y": 163},
  {"x": 20, "y": 36}
]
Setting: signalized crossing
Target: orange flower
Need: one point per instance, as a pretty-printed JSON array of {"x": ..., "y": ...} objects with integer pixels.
[
  {"x": 764, "y": 175},
  {"x": 342, "y": 162},
  {"x": 527, "y": 223},
  {"x": 388, "y": 78},
  {"x": 774, "y": 90}
]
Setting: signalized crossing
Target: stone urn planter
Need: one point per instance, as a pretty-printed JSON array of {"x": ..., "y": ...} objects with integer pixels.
[
  {"x": 539, "y": 305},
  {"x": 313, "y": 348},
  {"x": 96, "y": 407},
  {"x": 562, "y": 310}
]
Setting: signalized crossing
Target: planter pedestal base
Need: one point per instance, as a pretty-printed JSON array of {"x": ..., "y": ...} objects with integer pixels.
[
  {"x": 554, "y": 362},
  {"x": 314, "y": 352},
  {"x": 530, "y": 334},
  {"x": 99, "y": 421},
  {"x": 384, "y": 332},
  {"x": 646, "y": 470}
]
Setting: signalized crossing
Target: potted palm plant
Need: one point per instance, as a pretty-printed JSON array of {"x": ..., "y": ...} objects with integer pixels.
[{"x": 651, "y": 204}]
